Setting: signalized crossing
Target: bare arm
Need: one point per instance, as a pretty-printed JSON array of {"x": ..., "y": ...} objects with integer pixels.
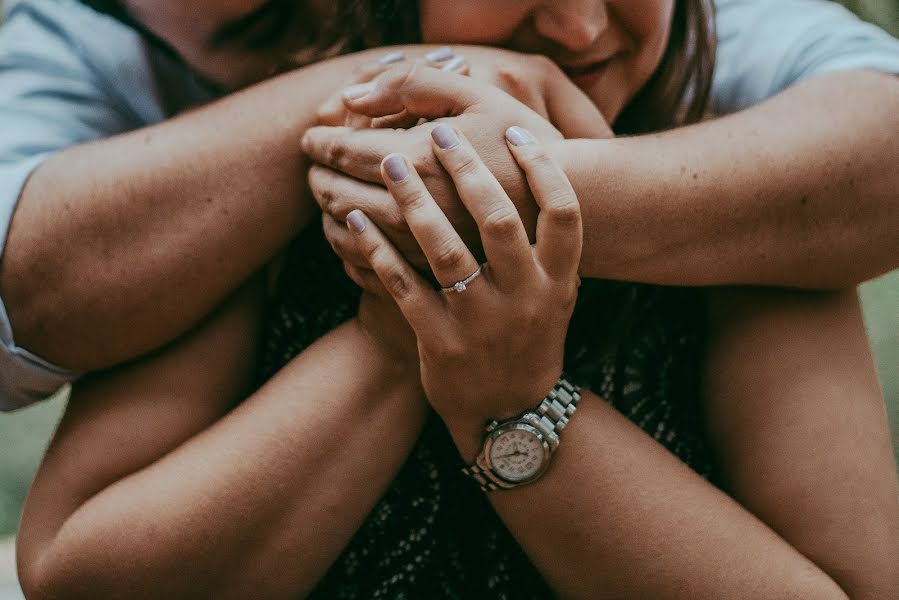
[
  {"x": 799, "y": 191},
  {"x": 152, "y": 489},
  {"x": 120, "y": 245},
  {"x": 797, "y": 419}
]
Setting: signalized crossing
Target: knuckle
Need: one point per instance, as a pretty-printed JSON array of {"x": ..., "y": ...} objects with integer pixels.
[
  {"x": 396, "y": 283},
  {"x": 449, "y": 257},
  {"x": 563, "y": 209},
  {"x": 502, "y": 224},
  {"x": 467, "y": 165},
  {"x": 412, "y": 200},
  {"x": 539, "y": 158},
  {"x": 335, "y": 153}
]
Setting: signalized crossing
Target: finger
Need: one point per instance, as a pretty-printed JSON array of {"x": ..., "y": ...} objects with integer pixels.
[
  {"x": 338, "y": 194},
  {"x": 355, "y": 152},
  {"x": 574, "y": 113},
  {"x": 423, "y": 91},
  {"x": 559, "y": 227},
  {"x": 333, "y": 113},
  {"x": 366, "y": 279},
  {"x": 343, "y": 242},
  {"x": 503, "y": 236},
  {"x": 417, "y": 301},
  {"x": 449, "y": 258}
]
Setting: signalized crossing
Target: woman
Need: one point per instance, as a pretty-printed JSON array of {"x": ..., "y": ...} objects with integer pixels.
[{"x": 315, "y": 501}]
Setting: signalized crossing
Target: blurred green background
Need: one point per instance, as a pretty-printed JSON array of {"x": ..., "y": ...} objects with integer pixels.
[{"x": 23, "y": 436}]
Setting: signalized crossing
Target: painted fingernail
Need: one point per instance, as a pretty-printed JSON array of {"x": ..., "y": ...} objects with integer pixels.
[
  {"x": 440, "y": 54},
  {"x": 519, "y": 136},
  {"x": 454, "y": 65},
  {"x": 445, "y": 137},
  {"x": 393, "y": 57},
  {"x": 356, "y": 221},
  {"x": 396, "y": 168},
  {"x": 358, "y": 91}
]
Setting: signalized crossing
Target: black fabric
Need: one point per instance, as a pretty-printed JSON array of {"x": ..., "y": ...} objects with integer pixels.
[{"x": 433, "y": 534}]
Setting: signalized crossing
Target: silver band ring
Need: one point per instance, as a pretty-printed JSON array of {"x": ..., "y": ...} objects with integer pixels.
[{"x": 462, "y": 285}]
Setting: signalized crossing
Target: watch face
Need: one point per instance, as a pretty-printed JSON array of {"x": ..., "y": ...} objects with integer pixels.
[{"x": 518, "y": 453}]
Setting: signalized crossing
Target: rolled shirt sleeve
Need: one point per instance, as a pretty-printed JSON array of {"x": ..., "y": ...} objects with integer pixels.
[
  {"x": 765, "y": 46},
  {"x": 54, "y": 93}
]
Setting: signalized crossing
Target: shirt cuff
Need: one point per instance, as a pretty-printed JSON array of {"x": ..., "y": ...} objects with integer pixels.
[{"x": 24, "y": 377}]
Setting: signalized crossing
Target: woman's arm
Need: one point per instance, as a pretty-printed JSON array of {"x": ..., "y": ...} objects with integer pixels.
[
  {"x": 616, "y": 515},
  {"x": 799, "y": 191},
  {"x": 152, "y": 488},
  {"x": 797, "y": 420}
]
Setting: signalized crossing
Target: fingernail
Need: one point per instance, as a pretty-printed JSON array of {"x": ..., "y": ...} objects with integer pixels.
[
  {"x": 454, "y": 65},
  {"x": 393, "y": 57},
  {"x": 358, "y": 91},
  {"x": 440, "y": 54},
  {"x": 445, "y": 137},
  {"x": 519, "y": 136},
  {"x": 356, "y": 221},
  {"x": 396, "y": 168}
]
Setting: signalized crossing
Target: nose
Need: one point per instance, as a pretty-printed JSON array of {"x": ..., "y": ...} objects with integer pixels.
[{"x": 573, "y": 24}]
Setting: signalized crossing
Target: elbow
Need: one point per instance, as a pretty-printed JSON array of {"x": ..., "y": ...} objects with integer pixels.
[{"x": 41, "y": 579}]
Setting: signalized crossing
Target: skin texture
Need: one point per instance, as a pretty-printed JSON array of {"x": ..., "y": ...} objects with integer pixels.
[
  {"x": 624, "y": 489},
  {"x": 58, "y": 529}
]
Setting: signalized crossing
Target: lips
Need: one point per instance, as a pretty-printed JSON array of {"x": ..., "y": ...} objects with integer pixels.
[{"x": 586, "y": 77}]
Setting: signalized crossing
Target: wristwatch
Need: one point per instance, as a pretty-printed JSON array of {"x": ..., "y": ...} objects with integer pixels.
[{"x": 519, "y": 450}]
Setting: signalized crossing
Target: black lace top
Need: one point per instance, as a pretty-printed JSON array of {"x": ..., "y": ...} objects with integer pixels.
[{"x": 433, "y": 534}]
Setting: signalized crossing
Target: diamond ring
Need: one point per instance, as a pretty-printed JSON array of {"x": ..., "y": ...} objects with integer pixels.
[{"x": 462, "y": 285}]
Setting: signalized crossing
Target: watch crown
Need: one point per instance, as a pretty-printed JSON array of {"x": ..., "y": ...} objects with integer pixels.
[{"x": 492, "y": 425}]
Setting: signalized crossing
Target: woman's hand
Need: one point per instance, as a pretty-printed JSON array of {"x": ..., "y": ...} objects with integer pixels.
[
  {"x": 532, "y": 79},
  {"x": 352, "y": 179},
  {"x": 492, "y": 347},
  {"x": 334, "y": 112}
]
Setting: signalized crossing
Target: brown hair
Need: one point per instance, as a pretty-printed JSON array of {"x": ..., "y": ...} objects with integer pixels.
[{"x": 677, "y": 93}]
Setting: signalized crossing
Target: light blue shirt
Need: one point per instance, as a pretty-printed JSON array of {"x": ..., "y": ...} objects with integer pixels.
[{"x": 69, "y": 75}]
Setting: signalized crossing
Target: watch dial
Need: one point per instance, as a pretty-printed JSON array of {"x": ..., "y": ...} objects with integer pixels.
[{"x": 517, "y": 455}]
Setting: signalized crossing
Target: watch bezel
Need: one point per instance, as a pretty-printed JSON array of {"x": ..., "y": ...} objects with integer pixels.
[{"x": 504, "y": 428}]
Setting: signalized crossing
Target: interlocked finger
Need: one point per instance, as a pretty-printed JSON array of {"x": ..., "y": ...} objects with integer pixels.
[
  {"x": 502, "y": 233},
  {"x": 415, "y": 298},
  {"x": 559, "y": 227},
  {"x": 449, "y": 258}
]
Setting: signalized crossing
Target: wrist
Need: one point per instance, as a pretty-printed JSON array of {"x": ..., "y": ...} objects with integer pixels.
[{"x": 388, "y": 362}]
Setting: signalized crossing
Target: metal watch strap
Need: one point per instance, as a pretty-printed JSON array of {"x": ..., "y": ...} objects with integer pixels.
[{"x": 549, "y": 418}]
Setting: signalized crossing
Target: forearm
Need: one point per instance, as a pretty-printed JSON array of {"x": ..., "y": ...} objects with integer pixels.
[
  {"x": 120, "y": 245},
  {"x": 796, "y": 419},
  {"x": 259, "y": 504},
  {"x": 617, "y": 516},
  {"x": 799, "y": 191}
]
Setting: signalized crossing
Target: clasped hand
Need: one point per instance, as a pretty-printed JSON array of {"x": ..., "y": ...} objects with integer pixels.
[{"x": 496, "y": 348}]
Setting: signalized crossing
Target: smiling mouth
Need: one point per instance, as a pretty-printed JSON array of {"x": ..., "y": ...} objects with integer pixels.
[{"x": 585, "y": 77}]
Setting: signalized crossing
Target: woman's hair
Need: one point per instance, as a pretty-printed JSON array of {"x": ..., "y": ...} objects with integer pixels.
[{"x": 676, "y": 94}]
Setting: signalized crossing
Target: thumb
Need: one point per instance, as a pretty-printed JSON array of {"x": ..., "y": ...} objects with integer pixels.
[{"x": 575, "y": 114}]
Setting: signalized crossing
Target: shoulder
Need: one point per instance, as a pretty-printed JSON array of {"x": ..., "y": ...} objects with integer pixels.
[
  {"x": 765, "y": 46},
  {"x": 48, "y": 45}
]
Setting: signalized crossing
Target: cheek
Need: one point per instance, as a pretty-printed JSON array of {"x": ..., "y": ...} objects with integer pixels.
[
  {"x": 470, "y": 21},
  {"x": 647, "y": 24}
]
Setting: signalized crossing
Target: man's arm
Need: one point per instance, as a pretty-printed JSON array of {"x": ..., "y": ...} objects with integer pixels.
[
  {"x": 799, "y": 191},
  {"x": 150, "y": 489},
  {"x": 119, "y": 245}
]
